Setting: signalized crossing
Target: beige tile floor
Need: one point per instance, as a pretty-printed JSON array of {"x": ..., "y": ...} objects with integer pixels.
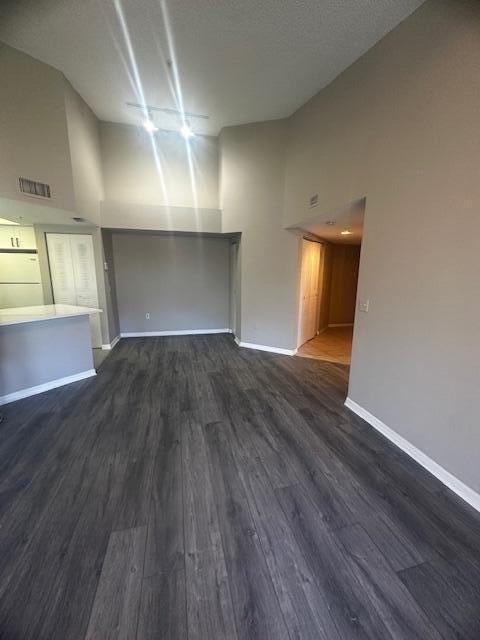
[{"x": 333, "y": 345}]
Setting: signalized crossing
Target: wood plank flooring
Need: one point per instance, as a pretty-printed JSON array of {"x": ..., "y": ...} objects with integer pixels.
[{"x": 194, "y": 490}]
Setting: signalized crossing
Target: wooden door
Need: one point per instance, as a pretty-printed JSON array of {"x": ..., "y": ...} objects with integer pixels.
[{"x": 309, "y": 291}]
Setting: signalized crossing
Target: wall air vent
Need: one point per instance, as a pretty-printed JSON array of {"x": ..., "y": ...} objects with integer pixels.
[
  {"x": 34, "y": 188},
  {"x": 313, "y": 201}
]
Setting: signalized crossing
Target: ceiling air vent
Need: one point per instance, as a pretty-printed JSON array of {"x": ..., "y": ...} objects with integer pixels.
[
  {"x": 313, "y": 201},
  {"x": 34, "y": 188}
]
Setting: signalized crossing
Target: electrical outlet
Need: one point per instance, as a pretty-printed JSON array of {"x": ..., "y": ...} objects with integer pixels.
[{"x": 147, "y": 316}]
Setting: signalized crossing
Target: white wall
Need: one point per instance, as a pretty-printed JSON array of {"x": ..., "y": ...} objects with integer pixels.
[
  {"x": 129, "y": 215},
  {"x": 33, "y": 129},
  {"x": 154, "y": 183},
  {"x": 84, "y": 142},
  {"x": 252, "y": 177}
]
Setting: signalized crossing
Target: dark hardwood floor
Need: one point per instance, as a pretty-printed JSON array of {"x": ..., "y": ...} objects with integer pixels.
[{"x": 194, "y": 490}]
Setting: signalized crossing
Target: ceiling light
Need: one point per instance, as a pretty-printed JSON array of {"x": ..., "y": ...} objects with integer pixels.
[
  {"x": 346, "y": 232},
  {"x": 186, "y": 131},
  {"x": 150, "y": 126}
]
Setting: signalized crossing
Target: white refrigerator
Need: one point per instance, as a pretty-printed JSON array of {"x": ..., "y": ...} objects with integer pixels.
[{"x": 20, "y": 281}]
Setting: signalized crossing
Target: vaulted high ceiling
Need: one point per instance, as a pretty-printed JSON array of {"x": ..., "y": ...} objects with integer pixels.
[{"x": 236, "y": 61}]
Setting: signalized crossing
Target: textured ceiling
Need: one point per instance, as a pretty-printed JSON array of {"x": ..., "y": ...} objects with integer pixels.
[{"x": 238, "y": 61}]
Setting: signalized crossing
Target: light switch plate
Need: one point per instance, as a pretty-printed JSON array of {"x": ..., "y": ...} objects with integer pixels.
[{"x": 364, "y": 305}]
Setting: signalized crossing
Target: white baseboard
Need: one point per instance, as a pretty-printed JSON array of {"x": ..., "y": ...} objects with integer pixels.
[
  {"x": 185, "y": 332},
  {"x": 262, "y": 347},
  {"x": 107, "y": 347},
  {"x": 40, "y": 388},
  {"x": 449, "y": 480},
  {"x": 346, "y": 324}
]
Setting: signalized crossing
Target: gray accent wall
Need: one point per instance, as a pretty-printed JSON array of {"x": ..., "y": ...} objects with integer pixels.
[
  {"x": 35, "y": 353},
  {"x": 183, "y": 282}
]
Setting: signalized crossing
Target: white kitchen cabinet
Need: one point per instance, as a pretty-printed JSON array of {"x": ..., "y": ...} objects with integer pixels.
[
  {"x": 20, "y": 279},
  {"x": 26, "y": 237},
  {"x": 17, "y": 237},
  {"x": 8, "y": 237},
  {"x": 20, "y": 295},
  {"x": 19, "y": 267}
]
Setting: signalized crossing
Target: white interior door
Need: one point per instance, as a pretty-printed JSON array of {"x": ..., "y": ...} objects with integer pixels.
[
  {"x": 86, "y": 280},
  {"x": 72, "y": 268},
  {"x": 84, "y": 270},
  {"x": 309, "y": 293},
  {"x": 61, "y": 268}
]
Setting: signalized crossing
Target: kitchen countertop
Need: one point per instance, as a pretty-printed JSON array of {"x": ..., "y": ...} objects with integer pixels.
[{"x": 42, "y": 312}]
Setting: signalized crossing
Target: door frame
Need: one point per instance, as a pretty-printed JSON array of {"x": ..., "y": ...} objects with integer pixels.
[{"x": 234, "y": 286}]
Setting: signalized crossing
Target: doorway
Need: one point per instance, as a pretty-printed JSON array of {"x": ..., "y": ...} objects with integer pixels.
[
  {"x": 327, "y": 301},
  {"x": 309, "y": 291},
  {"x": 72, "y": 272}
]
